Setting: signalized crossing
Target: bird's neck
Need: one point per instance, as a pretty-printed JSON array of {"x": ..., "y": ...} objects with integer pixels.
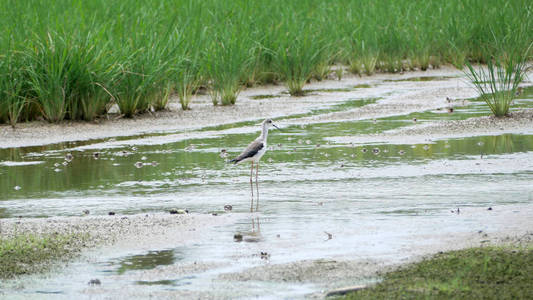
[{"x": 264, "y": 133}]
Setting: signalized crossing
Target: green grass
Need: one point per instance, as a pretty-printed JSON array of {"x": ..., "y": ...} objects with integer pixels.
[
  {"x": 72, "y": 59},
  {"x": 477, "y": 273},
  {"x": 498, "y": 83},
  {"x": 29, "y": 253}
]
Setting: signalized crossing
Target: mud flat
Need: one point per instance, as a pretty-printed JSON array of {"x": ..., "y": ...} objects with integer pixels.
[
  {"x": 520, "y": 122},
  {"x": 398, "y": 94}
]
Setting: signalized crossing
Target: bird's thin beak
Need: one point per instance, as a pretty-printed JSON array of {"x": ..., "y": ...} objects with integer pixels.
[{"x": 276, "y": 126}]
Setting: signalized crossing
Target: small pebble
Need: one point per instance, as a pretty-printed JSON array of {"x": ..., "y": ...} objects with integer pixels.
[
  {"x": 228, "y": 207},
  {"x": 111, "y": 213},
  {"x": 237, "y": 237},
  {"x": 490, "y": 208},
  {"x": 86, "y": 212},
  {"x": 94, "y": 281}
]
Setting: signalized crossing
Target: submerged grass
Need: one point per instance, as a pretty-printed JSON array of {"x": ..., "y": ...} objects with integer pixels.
[
  {"x": 29, "y": 253},
  {"x": 72, "y": 59},
  {"x": 478, "y": 273}
]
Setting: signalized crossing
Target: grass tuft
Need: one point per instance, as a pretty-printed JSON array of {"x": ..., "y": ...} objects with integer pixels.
[
  {"x": 29, "y": 253},
  {"x": 478, "y": 273},
  {"x": 498, "y": 83}
]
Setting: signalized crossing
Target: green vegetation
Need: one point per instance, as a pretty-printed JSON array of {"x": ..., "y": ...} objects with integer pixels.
[
  {"x": 29, "y": 253},
  {"x": 73, "y": 59},
  {"x": 478, "y": 273},
  {"x": 498, "y": 83}
]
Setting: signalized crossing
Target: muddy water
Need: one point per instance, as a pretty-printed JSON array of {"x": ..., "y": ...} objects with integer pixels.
[{"x": 319, "y": 200}]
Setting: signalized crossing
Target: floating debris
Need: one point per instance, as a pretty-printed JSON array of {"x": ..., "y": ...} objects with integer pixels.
[
  {"x": 330, "y": 236},
  {"x": 237, "y": 237},
  {"x": 94, "y": 281},
  {"x": 175, "y": 211},
  {"x": 228, "y": 207},
  {"x": 69, "y": 157},
  {"x": 265, "y": 255},
  {"x": 223, "y": 153},
  {"x": 289, "y": 138},
  {"x": 376, "y": 151},
  {"x": 414, "y": 120},
  {"x": 57, "y": 170},
  {"x": 144, "y": 158},
  {"x": 86, "y": 212},
  {"x": 317, "y": 145},
  {"x": 133, "y": 148},
  {"x": 448, "y": 99},
  {"x": 426, "y": 147},
  {"x": 374, "y": 121},
  {"x": 138, "y": 164},
  {"x": 57, "y": 165},
  {"x": 111, "y": 213},
  {"x": 490, "y": 208},
  {"x": 401, "y": 152},
  {"x": 96, "y": 155},
  {"x": 307, "y": 142},
  {"x": 17, "y": 188},
  {"x": 190, "y": 148},
  {"x": 480, "y": 143},
  {"x": 65, "y": 163},
  {"x": 450, "y": 110},
  {"x": 364, "y": 150},
  {"x": 155, "y": 163},
  {"x": 300, "y": 141}
]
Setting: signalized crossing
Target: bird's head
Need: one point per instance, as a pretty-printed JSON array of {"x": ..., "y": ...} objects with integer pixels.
[{"x": 268, "y": 123}]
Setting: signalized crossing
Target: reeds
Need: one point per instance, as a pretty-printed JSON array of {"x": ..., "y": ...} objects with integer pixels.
[{"x": 137, "y": 54}]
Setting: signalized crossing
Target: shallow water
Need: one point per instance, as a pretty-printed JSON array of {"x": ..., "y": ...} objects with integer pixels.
[{"x": 376, "y": 201}]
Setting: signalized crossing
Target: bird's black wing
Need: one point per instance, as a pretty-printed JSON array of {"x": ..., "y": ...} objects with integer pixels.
[{"x": 250, "y": 151}]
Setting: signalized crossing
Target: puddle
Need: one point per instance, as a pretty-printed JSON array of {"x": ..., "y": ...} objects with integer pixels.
[
  {"x": 260, "y": 97},
  {"x": 321, "y": 199},
  {"x": 146, "y": 261},
  {"x": 421, "y": 78},
  {"x": 362, "y": 86}
]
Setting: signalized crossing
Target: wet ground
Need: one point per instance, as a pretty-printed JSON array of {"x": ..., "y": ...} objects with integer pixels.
[{"x": 333, "y": 210}]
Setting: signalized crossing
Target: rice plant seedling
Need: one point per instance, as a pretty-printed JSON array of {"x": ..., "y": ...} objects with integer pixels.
[
  {"x": 498, "y": 83},
  {"x": 72, "y": 68},
  {"x": 296, "y": 60},
  {"x": 228, "y": 60},
  {"x": 14, "y": 89}
]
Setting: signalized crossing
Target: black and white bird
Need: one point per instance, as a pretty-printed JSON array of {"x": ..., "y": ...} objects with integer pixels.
[{"x": 253, "y": 153}]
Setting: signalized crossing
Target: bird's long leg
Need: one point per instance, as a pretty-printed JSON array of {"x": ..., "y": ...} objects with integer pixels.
[
  {"x": 252, "y": 187},
  {"x": 257, "y": 187}
]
